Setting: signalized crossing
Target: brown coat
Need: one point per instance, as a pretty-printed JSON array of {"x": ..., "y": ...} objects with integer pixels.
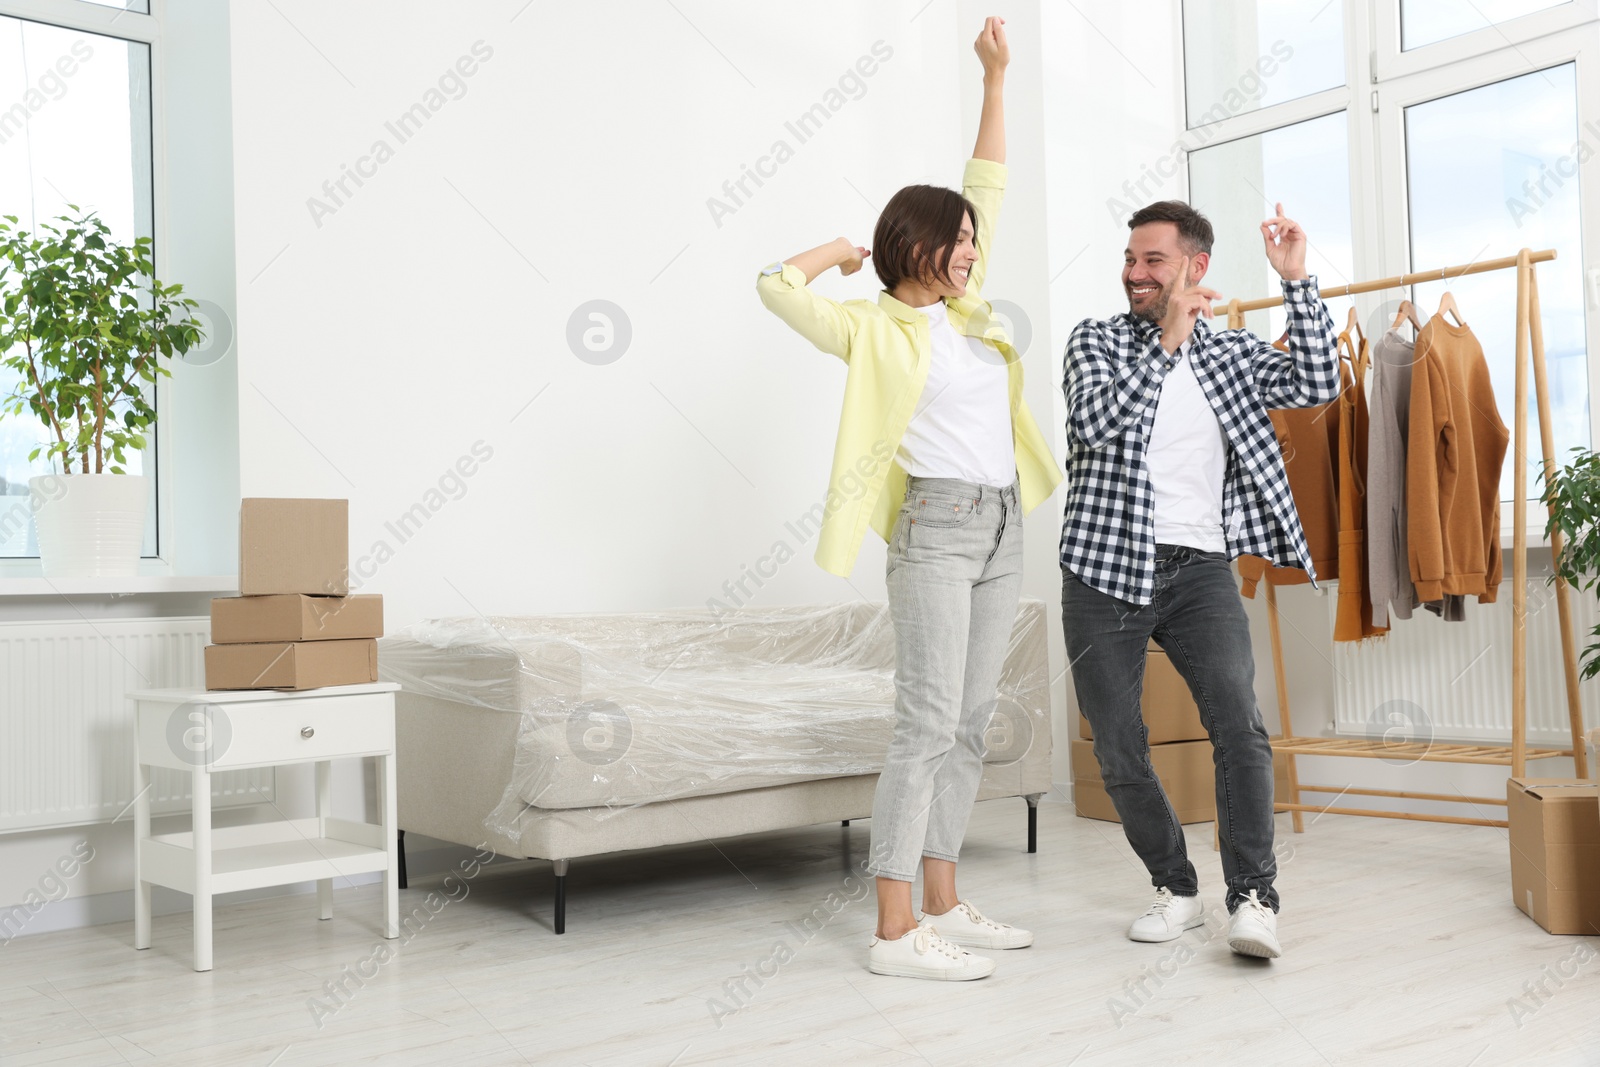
[
  {"x": 1309, "y": 440},
  {"x": 1352, "y": 618},
  {"x": 1456, "y": 447}
]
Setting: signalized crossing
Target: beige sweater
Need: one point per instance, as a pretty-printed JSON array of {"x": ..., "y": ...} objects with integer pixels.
[{"x": 1389, "y": 573}]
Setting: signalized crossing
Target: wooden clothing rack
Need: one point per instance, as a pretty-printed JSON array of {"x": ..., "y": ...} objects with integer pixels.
[{"x": 1529, "y": 350}]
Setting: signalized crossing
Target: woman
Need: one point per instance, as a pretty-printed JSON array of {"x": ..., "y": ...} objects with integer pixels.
[{"x": 934, "y": 449}]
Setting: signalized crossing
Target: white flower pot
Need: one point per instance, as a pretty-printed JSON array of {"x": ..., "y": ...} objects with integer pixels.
[{"x": 90, "y": 525}]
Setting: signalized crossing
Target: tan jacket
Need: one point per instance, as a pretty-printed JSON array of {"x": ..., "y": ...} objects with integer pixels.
[
  {"x": 1309, "y": 441},
  {"x": 1456, "y": 447},
  {"x": 1353, "y": 610}
]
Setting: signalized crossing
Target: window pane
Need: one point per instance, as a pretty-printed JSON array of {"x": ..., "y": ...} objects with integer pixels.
[
  {"x": 1250, "y": 54},
  {"x": 1491, "y": 171},
  {"x": 77, "y": 132},
  {"x": 1306, "y": 167},
  {"x": 1425, "y": 22}
]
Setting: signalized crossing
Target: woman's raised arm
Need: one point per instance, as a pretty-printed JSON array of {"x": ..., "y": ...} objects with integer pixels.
[
  {"x": 785, "y": 289},
  {"x": 994, "y": 54},
  {"x": 837, "y": 253}
]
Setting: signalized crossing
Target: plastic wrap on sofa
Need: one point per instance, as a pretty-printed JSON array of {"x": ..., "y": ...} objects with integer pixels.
[{"x": 622, "y": 710}]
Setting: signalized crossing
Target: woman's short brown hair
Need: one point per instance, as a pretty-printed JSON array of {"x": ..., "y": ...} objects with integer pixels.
[{"x": 917, "y": 232}]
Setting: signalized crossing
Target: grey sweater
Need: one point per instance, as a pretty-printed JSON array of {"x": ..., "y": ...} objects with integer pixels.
[{"x": 1388, "y": 562}]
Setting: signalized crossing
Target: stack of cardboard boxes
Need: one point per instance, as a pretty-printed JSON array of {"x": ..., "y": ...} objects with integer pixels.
[{"x": 295, "y": 626}]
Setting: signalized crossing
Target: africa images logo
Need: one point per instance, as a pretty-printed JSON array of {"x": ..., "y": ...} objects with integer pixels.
[{"x": 198, "y": 732}]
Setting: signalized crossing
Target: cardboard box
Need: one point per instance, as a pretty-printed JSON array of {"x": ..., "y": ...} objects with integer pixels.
[
  {"x": 294, "y": 546},
  {"x": 1186, "y": 772},
  {"x": 1555, "y": 852},
  {"x": 1170, "y": 713},
  {"x": 291, "y": 665},
  {"x": 295, "y": 617}
]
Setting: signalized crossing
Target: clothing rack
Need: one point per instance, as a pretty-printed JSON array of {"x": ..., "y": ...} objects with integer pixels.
[{"x": 1529, "y": 351}]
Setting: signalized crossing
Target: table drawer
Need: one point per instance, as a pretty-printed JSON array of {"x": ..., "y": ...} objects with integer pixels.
[{"x": 292, "y": 731}]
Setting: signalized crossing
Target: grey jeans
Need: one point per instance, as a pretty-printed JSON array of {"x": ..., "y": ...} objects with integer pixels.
[
  {"x": 1198, "y": 618},
  {"x": 955, "y": 578}
]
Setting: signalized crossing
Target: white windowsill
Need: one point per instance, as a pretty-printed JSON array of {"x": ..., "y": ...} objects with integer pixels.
[{"x": 140, "y": 584}]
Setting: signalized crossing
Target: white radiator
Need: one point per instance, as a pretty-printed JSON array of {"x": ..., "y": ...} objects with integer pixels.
[
  {"x": 1452, "y": 680},
  {"x": 66, "y": 727}
]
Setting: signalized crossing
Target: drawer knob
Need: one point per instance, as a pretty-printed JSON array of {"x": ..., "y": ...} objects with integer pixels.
[{"x": 307, "y": 732}]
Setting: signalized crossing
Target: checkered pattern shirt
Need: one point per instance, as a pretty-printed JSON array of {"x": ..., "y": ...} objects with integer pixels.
[{"x": 1114, "y": 370}]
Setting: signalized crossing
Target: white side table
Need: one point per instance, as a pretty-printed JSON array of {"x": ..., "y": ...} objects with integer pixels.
[{"x": 203, "y": 732}]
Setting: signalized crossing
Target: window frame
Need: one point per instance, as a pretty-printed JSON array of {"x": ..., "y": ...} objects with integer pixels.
[
  {"x": 1381, "y": 82},
  {"x": 1390, "y": 63},
  {"x": 139, "y": 28}
]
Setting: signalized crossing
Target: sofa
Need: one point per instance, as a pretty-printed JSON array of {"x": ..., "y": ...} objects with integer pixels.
[{"x": 563, "y": 736}]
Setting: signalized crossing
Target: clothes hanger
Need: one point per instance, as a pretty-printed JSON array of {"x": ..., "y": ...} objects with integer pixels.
[
  {"x": 1448, "y": 303},
  {"x": 1353, "y": 346},
  {"x": 1353, "y": 326},
  {"x": 1408, "y": 310}
]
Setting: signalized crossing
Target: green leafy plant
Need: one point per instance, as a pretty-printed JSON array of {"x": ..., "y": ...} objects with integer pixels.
[
  {"x": 1573, "y": 495},
  {"x": 86, "y": 326}
]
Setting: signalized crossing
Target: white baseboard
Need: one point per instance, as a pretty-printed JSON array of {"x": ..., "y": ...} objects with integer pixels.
[{"x": 72, "y": 913}]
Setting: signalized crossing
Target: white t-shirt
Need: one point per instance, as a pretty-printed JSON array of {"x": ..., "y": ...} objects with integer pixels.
[
  {"x": 962, "y": 425},
  {"x": 1186, "y": 458}
]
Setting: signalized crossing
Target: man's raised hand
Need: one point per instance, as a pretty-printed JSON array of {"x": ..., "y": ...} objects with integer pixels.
[{"x": 1286, "y": 246}]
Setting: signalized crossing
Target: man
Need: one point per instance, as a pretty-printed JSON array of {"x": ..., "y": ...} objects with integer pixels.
[{"x": 1174, "y": 469}]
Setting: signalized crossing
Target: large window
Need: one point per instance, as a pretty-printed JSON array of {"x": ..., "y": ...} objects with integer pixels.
[
  {"x": 75, "y": 129},
  {"x": 1456, "y": 132},
  {"x": 1475, "y": 164}
]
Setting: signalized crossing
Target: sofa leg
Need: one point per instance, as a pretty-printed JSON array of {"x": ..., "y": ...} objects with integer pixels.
[
  {"x": 561, "y": 895},
  {"x": 402, "y": 848},
  {"x": 1033, "y": 821}
]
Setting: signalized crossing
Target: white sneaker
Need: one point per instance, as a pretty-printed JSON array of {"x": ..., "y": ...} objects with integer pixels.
[
  {"x": 1253, "y": 931},
  {"x": 965, "y": 925},
  {"x": 922, "y": 953},
  {"x": 1168, "y": 917}
]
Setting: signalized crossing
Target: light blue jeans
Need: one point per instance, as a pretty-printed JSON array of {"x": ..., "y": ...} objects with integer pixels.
[{"x": 954, "y": 577}]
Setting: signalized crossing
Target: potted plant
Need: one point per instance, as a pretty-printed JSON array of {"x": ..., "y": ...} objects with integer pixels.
[
  {"x": 1573, "y": 496},
  {"x": 87, "y": 329}
]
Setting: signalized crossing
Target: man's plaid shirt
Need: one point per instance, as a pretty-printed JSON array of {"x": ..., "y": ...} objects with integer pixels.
[{"x": 1114, "y": 370}]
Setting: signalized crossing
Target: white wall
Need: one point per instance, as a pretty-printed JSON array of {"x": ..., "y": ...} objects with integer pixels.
[{"x": 429, "y": 311}]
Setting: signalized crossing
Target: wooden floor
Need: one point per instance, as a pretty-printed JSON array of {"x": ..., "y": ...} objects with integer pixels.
[{"x": 1401, "y": 947}]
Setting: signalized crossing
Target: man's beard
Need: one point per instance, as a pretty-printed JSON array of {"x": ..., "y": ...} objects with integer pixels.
[
  {"x": 1154, "y": 314},
  {"x": 1157, "y": 311}
]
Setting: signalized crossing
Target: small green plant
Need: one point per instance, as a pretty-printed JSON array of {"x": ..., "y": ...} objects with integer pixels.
[
  {"x": 86, "y": 326},
  {"x": 1573, "y": 495}
]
